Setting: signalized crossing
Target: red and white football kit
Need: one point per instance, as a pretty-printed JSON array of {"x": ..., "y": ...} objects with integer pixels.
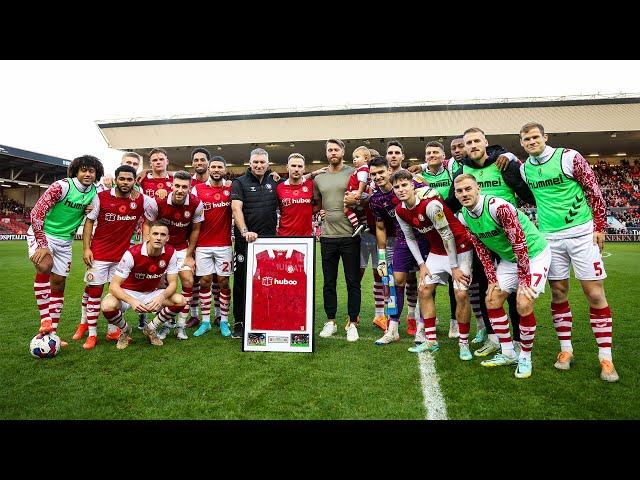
[
  {"x": 296, "y": 209},
  {"x": 433, "y": 219},
  {"x": 157, "y": 187},
  {"x": 179, "y": 219}
]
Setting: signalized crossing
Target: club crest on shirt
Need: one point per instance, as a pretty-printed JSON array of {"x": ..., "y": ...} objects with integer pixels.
[
  {"x": 227, "y": 193},
  {"x": 132, "y": 205},
  {"x": 162, "y": 263},
  {"x": 187, "y": 214},
  {"x": 269, "y": 187},
  {"x": 290, "y": 269},
  {"x": 421, "y": 217},
  {"x": 305, "y": 189}
]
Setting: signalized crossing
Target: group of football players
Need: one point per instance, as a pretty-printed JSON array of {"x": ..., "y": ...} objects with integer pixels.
[{"x": 449, "y": 221}]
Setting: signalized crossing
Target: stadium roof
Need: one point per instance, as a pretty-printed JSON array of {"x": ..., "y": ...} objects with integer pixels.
[
  {"x": 23, "y": 167},
  {"x": 603, "y": 124}
]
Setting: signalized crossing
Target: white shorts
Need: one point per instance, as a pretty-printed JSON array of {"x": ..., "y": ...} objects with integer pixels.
[
  {"x": 180, "y": 256},
  {"x": 368, "y": 248},
  {"x": 507, "y": 273},
  {"x": 60, "y": 249},
  {"x": 440, "y": 269},
  {"x": 100, "y": 272},
  {"x": 210, "y": 260},
  {"x": 581, "y": 253},
  {"x": 143, "y": 297}
]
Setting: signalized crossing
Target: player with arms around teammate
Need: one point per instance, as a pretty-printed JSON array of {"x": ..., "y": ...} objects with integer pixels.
[
  {"x": 572, "y": 217},
  {"x": 524, "y": 257},
  {"x": 117, "y": 212},
  {"x": 182, "y": 212},
  {"x": 449, "y": 255},
  {"x": 54, "y": 220},
  {"x": 136, "y": 283},
  {"x": 213, "y": 251}
]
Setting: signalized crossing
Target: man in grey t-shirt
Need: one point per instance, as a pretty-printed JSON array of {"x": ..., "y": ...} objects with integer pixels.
[{"x": 336, "y": 240}]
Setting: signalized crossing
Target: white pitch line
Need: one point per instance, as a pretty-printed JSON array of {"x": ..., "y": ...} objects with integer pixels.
[
  {"x": 434, "y": 402},
  {"x": 433, "y": 399}
]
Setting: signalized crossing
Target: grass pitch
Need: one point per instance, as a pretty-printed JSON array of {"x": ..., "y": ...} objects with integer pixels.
[{"x": 211, "y": 378}]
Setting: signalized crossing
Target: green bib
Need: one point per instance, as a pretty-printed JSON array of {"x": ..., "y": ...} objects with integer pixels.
[
  {"x": 65, "y": 217},
  {"x": 441, "y": 182},
  {"x": 491, "y": 182},
  {"x": 560, "y": 200},
  {"x": 492, "y": 235}
]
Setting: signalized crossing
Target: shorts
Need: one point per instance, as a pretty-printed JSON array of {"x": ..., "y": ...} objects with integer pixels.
[
  {"x": 579, "y": 252},
  {"x": 100, "y": 272},
  {"x": 403, "y": 260},
  {"x": 368, "y": 248},
  {"x": 507, "y": 273},
  {"x": 61, "y": 251},
  {"x": 440, "y": 269},
  {"x": 180, "y": 256},
  {"x": 210, "y": 260},
  {"x": 143, "y": 297}
]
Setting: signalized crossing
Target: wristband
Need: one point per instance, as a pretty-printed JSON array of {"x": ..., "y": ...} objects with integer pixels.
[{"x": 382, "y": 255}]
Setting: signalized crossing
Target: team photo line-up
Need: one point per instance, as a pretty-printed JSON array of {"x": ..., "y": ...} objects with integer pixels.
[{"x": 449, "y": 221}]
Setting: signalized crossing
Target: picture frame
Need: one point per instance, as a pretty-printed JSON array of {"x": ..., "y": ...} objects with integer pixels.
[{"x": 280, "y": 295}]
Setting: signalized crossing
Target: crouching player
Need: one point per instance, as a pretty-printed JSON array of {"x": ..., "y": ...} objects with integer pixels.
[
  {"x": 524, "y": 260},
  {"x": 450, "y": 255},
  {"x": 135, "y": 285}
]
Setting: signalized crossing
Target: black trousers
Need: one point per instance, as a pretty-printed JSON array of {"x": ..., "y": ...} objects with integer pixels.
[
  {"x": 332, "y": 250},
  {"x": 239, "y": 280}
]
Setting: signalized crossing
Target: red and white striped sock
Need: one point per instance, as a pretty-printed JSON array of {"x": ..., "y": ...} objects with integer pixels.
[
  {"x": 463, "y": 328},
  {"x": 352, "y": 218},
  {"x": 527, "y": 334},
  {"x": 378, "y": 294},
  {"x": 412, "y": 299},
  {"x": 474, "y": 299},
  {"x": 187, "y": 292},
  {"x": 94, "y": 292},
  {"x": 205, "y": 301},
  {"x": 430, "y": 329},
  {"x": 225, "y": 298},
  {"x": 115, "y": 317},
  {"x": 55, "y": 308},
  {"x": 563, "y": 322},
  {"x": 500, "y": 325},
  {"x": 42, "y": 292},
  {"x": 215, "y": 298},
  {"x": 195, "y": 299},
  {"x": 602, "y": 326},
  {"x": 166, "y": 315},
  {"x": 85, "y": 299}
]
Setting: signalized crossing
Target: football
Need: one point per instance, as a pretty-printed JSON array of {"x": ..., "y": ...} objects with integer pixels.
[{"x": 45, "y": 345}]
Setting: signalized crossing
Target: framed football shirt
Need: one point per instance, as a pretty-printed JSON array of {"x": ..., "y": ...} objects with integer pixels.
[{"x": 280, "y": 295}]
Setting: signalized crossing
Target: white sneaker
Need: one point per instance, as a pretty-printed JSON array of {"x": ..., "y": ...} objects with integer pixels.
[
  {"x": 453, "y": 329},
  {"x": 329, "y": 329},
  {"x": 420, "y": 337},
  {"x": 162, "y": 332},
  {"x": 390, "y": 336},
  {"x": 180, "y": 333},
  {"x": 352, "y": 333}
]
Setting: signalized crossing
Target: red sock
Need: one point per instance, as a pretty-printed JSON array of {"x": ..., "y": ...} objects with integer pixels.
[
  {"x": 463, "y": 328},
  {"x": 562, "y": 322},
  {"x": 430, "y": 329},
  {"x": 42, "y": 292},
  {"x": 55, "y": 308},
  {"x": 602, "y": 326},
  {"x": 527, "y": 332}
]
